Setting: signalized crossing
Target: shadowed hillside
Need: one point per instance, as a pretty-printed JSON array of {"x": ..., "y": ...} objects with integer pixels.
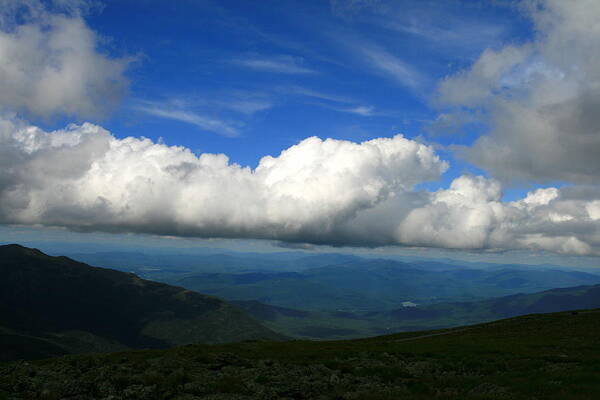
[{"x": 52, "y": 305}]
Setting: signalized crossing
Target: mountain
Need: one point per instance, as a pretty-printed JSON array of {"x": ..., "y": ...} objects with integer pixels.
[
  {"x": 554, "y": 300},
  {"x": 378, "y": 284},
  {"x": 348, "y": 325},
  {"x": 58, "y": 305},
  {"x": 543, "y": 356}
]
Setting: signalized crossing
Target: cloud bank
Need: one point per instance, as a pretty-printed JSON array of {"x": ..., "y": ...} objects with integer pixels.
[
  {"x": 541, "y": 98},
  {"x": 318, "y": 191}
]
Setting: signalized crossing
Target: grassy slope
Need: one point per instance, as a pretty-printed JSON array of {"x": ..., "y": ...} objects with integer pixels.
[{"x": 550, "y": 356}]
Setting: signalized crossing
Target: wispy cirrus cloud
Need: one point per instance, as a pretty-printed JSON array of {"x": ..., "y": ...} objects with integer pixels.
[
  {"x": 365, "y": 111},
  {"x": 391, "y": 65},
  {"x": 282, "y": 64},
  {"x": 333, "y": 101},
  {"x": 248, "y": 106},
  {"x": 461, "y": 31},
  {"x": 317, "y": 94},
  {"x": 458, "y": 35},
  {"x": 361, "y": 110},
  {"x": 207, "y": 123}
]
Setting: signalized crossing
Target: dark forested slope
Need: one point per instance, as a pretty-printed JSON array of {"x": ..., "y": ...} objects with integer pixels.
[{"x": 48, "y": 302}]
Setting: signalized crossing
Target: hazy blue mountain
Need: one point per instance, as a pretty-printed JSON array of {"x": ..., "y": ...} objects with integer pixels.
[
  {"x": 171, "y": 266},
  {"x": 293, "y": 290},
  {"x": 375, "y": 284},
  {"x": 346, "y": 325}
]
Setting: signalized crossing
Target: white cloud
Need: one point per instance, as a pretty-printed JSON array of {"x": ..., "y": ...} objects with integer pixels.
[
  {"x": 362, "y": 110},
  {"x": 540, "y": 98},
  {"x": 391, "y": 66},
  {"x": 330, "y": 101},
  {"x": 302, "y": 91},
  {"x": 84, "y": 178},
  {"x": 283, "y": 64},
  {"x": 461, "y": 217},
  {"x": 50, "y": 64},
  {"x": 471, "y": 215},
  {"x": 318, "y": 191},
  {"x": 206, "y": 123},
  {"x": 247, "y": 106},
  {"x": 365, "y": 111},
  {"x": 484, "y": 79}
]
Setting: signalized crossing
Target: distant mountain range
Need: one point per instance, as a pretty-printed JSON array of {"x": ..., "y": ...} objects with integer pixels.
[
  {"x": 347, "y": 325},
  {"x": 55, "y": 305},
  {"x": 375, "y": 285}
]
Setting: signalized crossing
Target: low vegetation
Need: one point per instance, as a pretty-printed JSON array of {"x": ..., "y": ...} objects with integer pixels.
[{"x": 544, "y": 356}]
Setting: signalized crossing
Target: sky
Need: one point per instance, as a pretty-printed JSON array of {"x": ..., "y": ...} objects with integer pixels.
[{"x": 368, "y": 124}]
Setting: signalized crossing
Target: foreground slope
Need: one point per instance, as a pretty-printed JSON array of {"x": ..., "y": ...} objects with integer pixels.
[
  {"x": 549, "y": 356},
  {"x": 54, "y": 305}
]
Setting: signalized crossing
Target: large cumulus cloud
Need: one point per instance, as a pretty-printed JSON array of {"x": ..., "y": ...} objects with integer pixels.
[
  {"x": 541, "y": 98},
  {"x": 318, "y": 191},
  {"x": 85, "y": 178}
]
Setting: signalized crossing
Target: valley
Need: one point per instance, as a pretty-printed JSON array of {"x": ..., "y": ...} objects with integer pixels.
[{"x": 339, "y": 296}]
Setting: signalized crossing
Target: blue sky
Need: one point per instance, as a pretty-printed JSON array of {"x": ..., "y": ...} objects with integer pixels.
[
  {"x": 277, "y": 72},
  {"x": 498, "y": 153}
]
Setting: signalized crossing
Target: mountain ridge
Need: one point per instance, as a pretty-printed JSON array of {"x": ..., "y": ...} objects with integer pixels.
[{"x": 66, "y": 303}]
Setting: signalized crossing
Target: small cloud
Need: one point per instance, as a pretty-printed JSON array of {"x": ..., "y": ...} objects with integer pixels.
[
  {"x": 239, "y": 101},
  {"x": 365, "y": 111},
  {"x": 334, "y": 102},
  {"x": 302, "y": 91},
  {"x": 392, "y": 66},
  {"x": 223, "y": 128},
  {"x": 249, "y": 107},
  {"x": 280, "y": 64},
  {"x": 362, "y": 110},
  {"x": 296, "y": 246}
]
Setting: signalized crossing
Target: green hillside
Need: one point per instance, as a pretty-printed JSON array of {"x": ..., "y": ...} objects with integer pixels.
[{"x": 547, "y": 356}]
